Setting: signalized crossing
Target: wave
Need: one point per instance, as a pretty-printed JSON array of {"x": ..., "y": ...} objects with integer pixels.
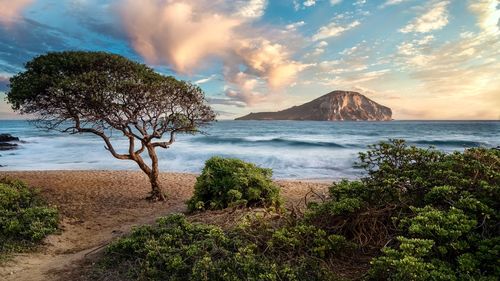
[
  {"x": 269, "y": 142},
  {"x": 456, "y": 143}
]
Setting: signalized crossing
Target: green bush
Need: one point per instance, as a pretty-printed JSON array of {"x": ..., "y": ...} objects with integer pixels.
[
  {"x": 226, "y": 182},
  {"x": 24, "y": 218},
  {"x": 434, "y": 212},
  {"x": 175, "y": 249},
  {"x": 420, "y": 213}
]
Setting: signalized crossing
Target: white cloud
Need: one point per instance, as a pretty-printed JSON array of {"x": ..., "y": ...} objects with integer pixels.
[
  {"x": 295, "y": 25},
  {"x": 435, "y": 17},
  {"x": 488, "y": 13},
  {"x": 318, "y": 50},
  {"x": 205, "y": 80},
  {"x": 335, "y": 2},
  {"x": 463, "y": 72},
  {"x": 415, "y": 47},
  {"x": 393, "y": 2},
  {"x": 359, "y": 3},
  {"x": 333, "y": 30},
  {"x": 309, "y": 3},
  {"x": 252, "y": 9},
  {"x": 322, "y": 44}
]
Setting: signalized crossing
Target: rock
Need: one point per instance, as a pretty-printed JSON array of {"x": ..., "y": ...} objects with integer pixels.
[
  {"x": 8, "y": 137},
  {"x": 7, "y": 146},
  {"x": 5, "y": 140},
  {"x": 334, "y": 106}
]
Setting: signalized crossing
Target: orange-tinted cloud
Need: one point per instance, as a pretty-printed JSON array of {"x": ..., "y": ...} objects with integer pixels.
[
  {"x": 186, "y": 35},
  {"x": 175, "y": 33},
  {"x": 10, "y": 10}
]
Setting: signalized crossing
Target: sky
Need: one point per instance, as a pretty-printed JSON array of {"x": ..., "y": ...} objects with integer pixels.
[{"x": 435, "y": 59}]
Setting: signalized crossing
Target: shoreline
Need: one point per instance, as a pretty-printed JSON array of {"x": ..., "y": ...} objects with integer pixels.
[{"x": 312, "y": 180}]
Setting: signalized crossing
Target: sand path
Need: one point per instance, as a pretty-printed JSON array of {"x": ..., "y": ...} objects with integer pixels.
[{"x": 97, "y": 207}]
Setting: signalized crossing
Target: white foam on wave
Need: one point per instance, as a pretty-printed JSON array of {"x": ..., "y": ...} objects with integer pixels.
[{"x": 300, "y": 152}]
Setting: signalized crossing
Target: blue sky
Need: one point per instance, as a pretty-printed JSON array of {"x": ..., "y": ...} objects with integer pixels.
[{"x": 435, "y": 59}]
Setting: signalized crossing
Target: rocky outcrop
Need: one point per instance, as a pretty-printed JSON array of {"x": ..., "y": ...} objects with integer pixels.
[
  {"x": 7, "y": 138},
  {"x": 5, "y": 142},
  {"x": 334, "y": 106}
]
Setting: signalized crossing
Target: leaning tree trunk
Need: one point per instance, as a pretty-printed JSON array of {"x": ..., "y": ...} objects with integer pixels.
[
  {"x": 156, "y": 190},
  {"x": 156, "y": 193}
]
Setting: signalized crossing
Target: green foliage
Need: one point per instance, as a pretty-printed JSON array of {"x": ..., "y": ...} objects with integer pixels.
[
  {"x": 226, "y": 182},
  {"x": 24, "y": 218},
  {"x": 308, "y": 240},
  {"x": 69, "y": 71},
  {"x": 443, "y": 209},
  {"x": 423, "y": 214},
  {"x": 175, "y": 249}
]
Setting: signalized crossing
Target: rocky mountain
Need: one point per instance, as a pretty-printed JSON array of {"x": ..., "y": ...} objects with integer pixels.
[{"x": 334, "y": 106}]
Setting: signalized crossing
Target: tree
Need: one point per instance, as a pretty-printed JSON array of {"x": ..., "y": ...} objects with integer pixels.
[{"x": 98, "y": 93}]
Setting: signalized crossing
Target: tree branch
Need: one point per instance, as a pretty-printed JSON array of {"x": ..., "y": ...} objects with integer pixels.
[
  {"x": 165, "y": 144},
  {"x": 108, "y": 145}
]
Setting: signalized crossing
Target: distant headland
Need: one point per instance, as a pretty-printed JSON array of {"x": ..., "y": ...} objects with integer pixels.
[{"x": 334, "y": 106}]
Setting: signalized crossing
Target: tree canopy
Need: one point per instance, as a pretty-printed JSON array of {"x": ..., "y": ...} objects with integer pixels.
[{"x": 95, "y": 92}]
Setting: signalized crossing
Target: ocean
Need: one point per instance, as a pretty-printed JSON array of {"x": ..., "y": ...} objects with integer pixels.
[{"x": 293, "y": 149}]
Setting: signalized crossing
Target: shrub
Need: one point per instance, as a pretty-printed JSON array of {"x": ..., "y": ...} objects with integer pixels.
[
  {"x": 434, "y": 212},
  {"x": 420, "y": 213},
  {"x": 226, "y": 182},
  {"x": 175, "y": 249},
  {"x": 453, "y": 205},
  {"x": 24, "y": 218}
]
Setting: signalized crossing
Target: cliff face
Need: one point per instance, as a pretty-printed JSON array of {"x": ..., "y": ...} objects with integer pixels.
[{"x": 335, "y": 106}]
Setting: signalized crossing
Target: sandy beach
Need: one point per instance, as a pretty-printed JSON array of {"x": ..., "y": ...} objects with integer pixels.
[{"x": 98, "y": 206}]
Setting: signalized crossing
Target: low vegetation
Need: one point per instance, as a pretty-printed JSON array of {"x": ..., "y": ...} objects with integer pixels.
[
  {"x": 435, "y": 215},
  {"x": 226, "y": 182},
  {"x": 175, "y": 249},
  {"x": 24, "y": 218},
  {"x": 418, "y": 214}
]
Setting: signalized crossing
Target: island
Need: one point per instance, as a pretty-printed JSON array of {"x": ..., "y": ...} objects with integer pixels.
[{"x": 334, "y": 106}]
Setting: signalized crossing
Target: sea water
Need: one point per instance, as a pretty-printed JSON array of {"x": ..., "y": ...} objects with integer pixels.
[{"x": 293, "y": 149}]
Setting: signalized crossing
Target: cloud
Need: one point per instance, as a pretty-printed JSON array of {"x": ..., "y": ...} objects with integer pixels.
[
  {"x": 205, "y": 80},
  {"x": 335, "y": 2},
  {"x": 176, "y": 33},
  {"x": 458, "y": 78},
  {"x": 4, "y": 82},
  {"x": 225, "y": 101},
  {"x": 352, "y": 61},
  {"x": 252, "y": 8},
  {"x": 295, "y": 25},
  {"x": 488, "y": 13},
  {"x": 318, "y": 50},
  {"x": 189, "y": 35},
  {"x": 264, "y": 60},
  {"x": 27, "y": 38},
  {"x": 359, "y": 3},
  {"x": 392, "y": 3},
  {"x": 414, "y": 51},
  {"x": 309, "y": 3},
  {"x": 333, "y": 29},
  {"x": 463, "y": 67},
  {"x": 97, "y": 16},
  {"x": 435, "y": 17},
  {"x": 10, "y": 10}
]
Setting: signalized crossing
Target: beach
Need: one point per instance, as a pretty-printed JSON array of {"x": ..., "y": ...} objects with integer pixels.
[{"x": 97, "y": 206}]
